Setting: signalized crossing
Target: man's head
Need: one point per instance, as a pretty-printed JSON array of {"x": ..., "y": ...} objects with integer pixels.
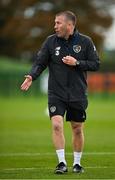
[{"x": 65, "y": 24}]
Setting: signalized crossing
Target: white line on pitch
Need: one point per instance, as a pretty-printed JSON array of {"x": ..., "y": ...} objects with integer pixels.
[
  {"x": 34, "y": 168},
  {"x": 52, "y": 154}
]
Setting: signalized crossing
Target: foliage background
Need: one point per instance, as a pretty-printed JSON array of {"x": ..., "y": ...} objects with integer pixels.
[{"x": 24, "y": 24}]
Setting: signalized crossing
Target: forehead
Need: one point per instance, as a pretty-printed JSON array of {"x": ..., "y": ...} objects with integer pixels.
[{"x": 60, "y": 18}]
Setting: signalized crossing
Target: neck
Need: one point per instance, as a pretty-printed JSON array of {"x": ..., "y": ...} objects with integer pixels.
[{"x": 68, "y": 35}]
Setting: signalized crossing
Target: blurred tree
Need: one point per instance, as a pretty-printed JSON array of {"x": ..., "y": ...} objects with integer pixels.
[{"x": 24, "y": 24}]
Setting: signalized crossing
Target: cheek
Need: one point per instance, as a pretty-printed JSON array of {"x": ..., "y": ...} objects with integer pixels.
[{"x": 64, "y": 29}]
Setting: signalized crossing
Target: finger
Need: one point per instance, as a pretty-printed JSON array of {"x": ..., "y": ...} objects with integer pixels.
[
  {"x": 23, "y": 86},
  {"x": 65, "y": 61},
  {"x": 26, "y": 88},
  {"x": 25, "y": 82},
  {"x": 67, "y": 57}
]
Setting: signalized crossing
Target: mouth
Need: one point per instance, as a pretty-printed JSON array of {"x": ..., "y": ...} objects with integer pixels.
[{"x": 57, "y": 32}]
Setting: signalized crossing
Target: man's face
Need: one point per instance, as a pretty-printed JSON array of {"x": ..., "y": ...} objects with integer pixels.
[{"x": 61, "y": 26}]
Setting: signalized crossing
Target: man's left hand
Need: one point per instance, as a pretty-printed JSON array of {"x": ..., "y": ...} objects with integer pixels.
[{"x": 69, "y": 60}]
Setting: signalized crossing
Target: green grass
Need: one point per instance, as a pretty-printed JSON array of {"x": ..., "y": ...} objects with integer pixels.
[
  {"x": 13, "y": 65},
  {"x": 26, "y": 150}
]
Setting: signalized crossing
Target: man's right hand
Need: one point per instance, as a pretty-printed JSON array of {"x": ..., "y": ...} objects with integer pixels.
[{"x": 27, "y": 83}]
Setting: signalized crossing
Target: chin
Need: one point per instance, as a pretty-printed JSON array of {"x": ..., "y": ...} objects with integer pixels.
[{"x": 58, "y": 35}]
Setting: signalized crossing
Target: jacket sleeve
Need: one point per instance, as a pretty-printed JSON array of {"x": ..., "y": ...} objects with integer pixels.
[
  {"x": 41, "y": 61},
  {"x": 92, "y": 62}
]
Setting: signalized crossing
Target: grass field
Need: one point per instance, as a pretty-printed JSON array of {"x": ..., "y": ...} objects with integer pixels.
[{"x": 26, "y": 150}]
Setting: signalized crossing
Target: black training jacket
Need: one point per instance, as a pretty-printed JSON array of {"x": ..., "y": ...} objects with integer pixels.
[{"x": 66, "y": 82}]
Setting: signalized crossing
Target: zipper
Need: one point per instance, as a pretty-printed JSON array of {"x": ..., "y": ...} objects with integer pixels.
[{"x": 68, "y": 73}]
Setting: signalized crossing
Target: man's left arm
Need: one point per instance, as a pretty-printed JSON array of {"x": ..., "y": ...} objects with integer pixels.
[{"x": 92, "y": 62}]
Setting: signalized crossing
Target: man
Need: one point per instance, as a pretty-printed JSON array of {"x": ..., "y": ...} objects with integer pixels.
[{"x": 68, "y": 55}]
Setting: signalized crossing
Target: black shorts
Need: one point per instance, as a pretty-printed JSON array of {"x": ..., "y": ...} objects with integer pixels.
[{"x": 74, "y": 111}]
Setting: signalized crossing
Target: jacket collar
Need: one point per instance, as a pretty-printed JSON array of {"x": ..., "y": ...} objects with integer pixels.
[{"x": 71, "y": 37}]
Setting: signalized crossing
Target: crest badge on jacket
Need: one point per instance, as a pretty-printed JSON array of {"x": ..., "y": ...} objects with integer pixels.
[{"x": 77, "y": 48}]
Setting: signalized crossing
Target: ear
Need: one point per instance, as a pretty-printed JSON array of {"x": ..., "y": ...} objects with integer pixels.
[{"x": 70, "y": 25}]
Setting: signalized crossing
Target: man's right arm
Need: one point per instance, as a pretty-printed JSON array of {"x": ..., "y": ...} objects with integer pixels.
[{"x": 41, "y": 62}]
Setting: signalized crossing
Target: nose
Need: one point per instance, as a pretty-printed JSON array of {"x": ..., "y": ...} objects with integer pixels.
[{"x": 55, "y": 26}]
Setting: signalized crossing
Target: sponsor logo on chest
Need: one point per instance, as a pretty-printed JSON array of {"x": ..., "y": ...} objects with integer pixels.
[{"x": 57, "y": 51}]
